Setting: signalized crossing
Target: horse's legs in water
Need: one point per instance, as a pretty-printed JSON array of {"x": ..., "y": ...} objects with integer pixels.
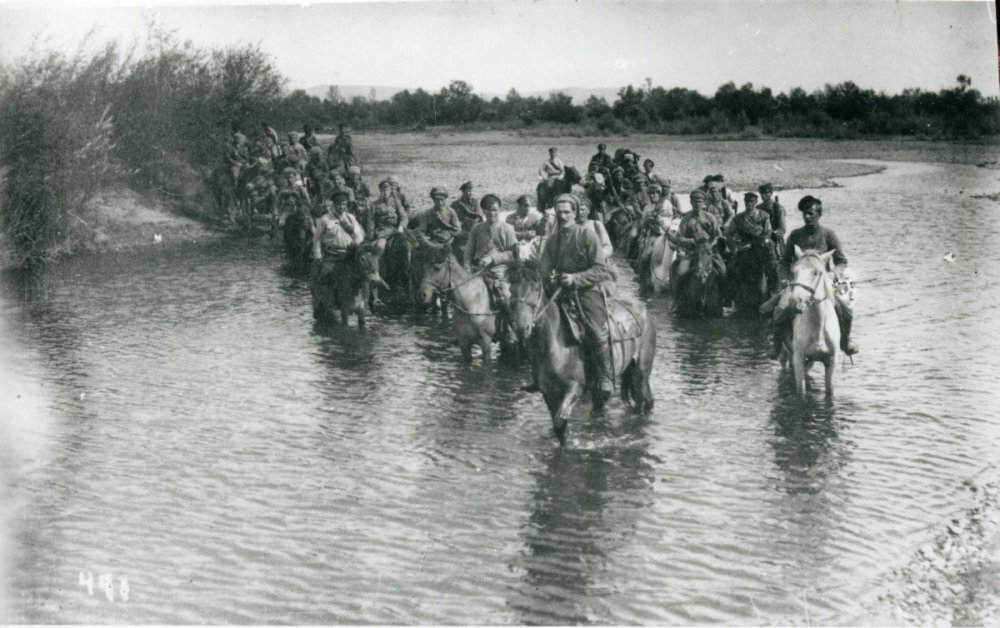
[
  {"x": 466, "y": 347},
  {"x": 831, "y": 365},
  {"x": 799, "y": 366},
  {"x": 486, "y": 344},
  {"x": 563, "y": 406}
]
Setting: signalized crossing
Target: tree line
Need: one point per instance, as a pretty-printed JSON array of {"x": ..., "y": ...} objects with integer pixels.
[
  {"x": 156, "y": 117},
  {"x": 839, "y": 111}
]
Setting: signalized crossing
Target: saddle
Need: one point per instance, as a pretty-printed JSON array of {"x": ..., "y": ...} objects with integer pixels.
[{"x": 624, "y": 320}]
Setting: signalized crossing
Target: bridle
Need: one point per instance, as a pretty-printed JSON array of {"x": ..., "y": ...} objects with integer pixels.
[
  {"x": 536, "y": 310},
  {"x": 812, "y": 289},
  {"x": 450, "y": 289}
]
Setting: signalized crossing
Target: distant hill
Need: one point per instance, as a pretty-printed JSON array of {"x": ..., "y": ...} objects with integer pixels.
[{"x": 384, "y": 92}]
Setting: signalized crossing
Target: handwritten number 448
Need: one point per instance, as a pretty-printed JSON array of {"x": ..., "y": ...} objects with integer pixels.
[{"x": 105, "y": 582}]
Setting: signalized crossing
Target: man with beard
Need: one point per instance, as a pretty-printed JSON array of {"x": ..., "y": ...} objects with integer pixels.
[{"x": 575, "y": 261}]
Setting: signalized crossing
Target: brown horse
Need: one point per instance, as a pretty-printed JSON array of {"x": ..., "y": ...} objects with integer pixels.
[
  {"x": 475, "y": 321},
  {"x": 297, "y": 236},
  {"x": 815, "y": 330},
  {"x": 698, "y": 292},
  {"x": 344, "y": 283},
  {"x": 558, "y": 358},
  {"x": 547, "y": 190}
]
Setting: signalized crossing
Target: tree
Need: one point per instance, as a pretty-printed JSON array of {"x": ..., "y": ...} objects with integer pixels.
[{"x": 333, "y": 95}]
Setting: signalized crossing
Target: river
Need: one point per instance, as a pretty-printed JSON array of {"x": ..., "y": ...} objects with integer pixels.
[{"x": 176, "y": 429}]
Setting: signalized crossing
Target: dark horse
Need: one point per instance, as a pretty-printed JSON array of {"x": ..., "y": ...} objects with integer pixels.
[
  {"x": 749, "y": 268},
  {"x": 402, "y": 267},
  {"x": 343, "y": 284},
  {"x": 698, "y": 292},
  {"x": 557, "y": 358},
  {"x": 297, "y": 235},
  {"x": 549, "y": 189}
]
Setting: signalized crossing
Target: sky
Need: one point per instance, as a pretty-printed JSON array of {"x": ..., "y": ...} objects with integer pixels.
[{"x": 545, "y": 45}]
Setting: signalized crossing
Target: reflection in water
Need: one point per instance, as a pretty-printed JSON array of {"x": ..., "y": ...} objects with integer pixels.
[{"x": 585, "y": 506}]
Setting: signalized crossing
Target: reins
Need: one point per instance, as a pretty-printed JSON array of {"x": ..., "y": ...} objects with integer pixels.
[
  {"x": 451, "y": 289},
  {"x": 535, "y": 308}
]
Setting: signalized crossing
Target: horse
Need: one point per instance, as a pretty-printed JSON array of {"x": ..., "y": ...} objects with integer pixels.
[
  {"x": 621, "y": 228},
  {"x": 698, "y": 292},
  {"x": 557, "y": 357},
  {"x": 747, "y": 276},
  {"x": 548, "y": 189},
  {"x": 815, "y": 329},
  {"x": 297, "y": 236},
  {"x": 344, "y": 283},
  {"x": 402, "y": 271},
  {"x": 475, "y": 321},
  {"x": 656, "y": 257}
]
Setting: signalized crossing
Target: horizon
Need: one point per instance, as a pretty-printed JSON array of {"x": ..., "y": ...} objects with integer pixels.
[{"x": 883, "y": 46}]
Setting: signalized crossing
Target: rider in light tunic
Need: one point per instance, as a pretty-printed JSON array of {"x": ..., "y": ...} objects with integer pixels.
[
  {"x": 525, "y": 220},
  {"x": 820, "y": 239},
  {"x": 490, "y": 243}
]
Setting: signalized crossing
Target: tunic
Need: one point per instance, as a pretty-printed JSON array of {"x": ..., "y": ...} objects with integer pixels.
[
  {"x": 467, "y": 212},
  {"x": 776, "y": 212},
  {"x": 697, "y": 226},
  {"x": 749, "y": 226},
  {"x": 525, "y": 227},
  {"x": 383, "y": 218},
  {"x": 497, "y": 240},
  {"x": 552, "y": 169},
  {"x": 441, "y": 226},
  {"x": 721, "y": 210},
  {"x": 575, "y": 249},
  {"x": 332, "y": 236}
]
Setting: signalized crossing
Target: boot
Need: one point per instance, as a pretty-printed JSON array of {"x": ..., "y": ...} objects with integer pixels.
[
  {"x": 846, "y": 319},
  {"x": 602, "y": 360}
]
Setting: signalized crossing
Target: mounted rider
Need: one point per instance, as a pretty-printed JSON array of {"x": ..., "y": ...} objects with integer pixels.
[
  {"x": 335, "y": 230},
  {"x": 359, "y": 190},
  {"x": 574, "y": 260},
  {"x": 309, "y": 139},
  {"x": 820, "y": 239},
  {"x": 655, "y": 221},
  {"x": 440, "y": 223},
  {"x": 340, "y": 153},
  {"x": 751, "y": 227},
  {"x": 776, "y": 214},
  {"x": 602, "y": 160},
  {"x": 236, "y": 156},
  {"x": 490, "y": 243},
  {"x": 398, "y": 194},
  {"x": 292, "y": 195},
  {"x": 716, "y": 203},
  {"x": 466, "y": 208},
  {"x": 525, "y": 220},
  {"x": 553, "y": 168},
  {"x": 697, "y": 227},
  {"x": 385, "y": 217},
  {"x": 315, "y": 171}
]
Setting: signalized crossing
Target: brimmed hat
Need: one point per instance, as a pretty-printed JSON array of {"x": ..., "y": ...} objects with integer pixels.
[
  {"x": 354, "y": 170},
  {"x": 488, "y": 200},
  {"x": 392, "y": 180},
  {"x": 697, "y": 194},
  {"x": 523, "y": 200},
  {"x": 765, "y": 188},
  {"x": 383, "y": 184},
  {"x": 438, "y": 191},
  {"x": 752, "y": 195},
  {"x": 466, "y": 185},
  {"x": 602, "y": 146}
]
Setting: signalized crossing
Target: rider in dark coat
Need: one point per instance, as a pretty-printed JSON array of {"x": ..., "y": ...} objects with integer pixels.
[{"x": 573, "y": 256}]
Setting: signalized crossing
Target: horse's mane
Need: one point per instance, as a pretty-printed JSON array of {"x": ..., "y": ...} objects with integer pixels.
[{"x": 525, "y": 271}]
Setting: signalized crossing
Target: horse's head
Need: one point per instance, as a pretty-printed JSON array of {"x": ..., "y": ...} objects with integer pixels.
[
  {"x": 572, "y": 175},
  {"x": 437, "y": 274},
  {"x": 811, "y": 277},
  {"x": 526, "y": 296},
  {"x": 703, "y": 262},
  {"x": 364, "y": 259}
]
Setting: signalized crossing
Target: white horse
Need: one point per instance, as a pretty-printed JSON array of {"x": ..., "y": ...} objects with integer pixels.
[
  {"x": 661, "y": 256},
  {"x": 815, "y": 330}
]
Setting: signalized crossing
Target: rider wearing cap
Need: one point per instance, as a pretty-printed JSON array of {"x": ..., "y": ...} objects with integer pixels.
[
  {"x": 384, "y": 217},
  {"x": 492, "y": 242},
  {"x": 602, "y": 160},
  {"x": 360, "y": 189},
  {"x": 440, "y": 223},
  {"x": 341, "y": 150},
  {"x": 776, "y": 213},
  {"x": 398, "y": 194},
  {"x": 820, "y": 239},
  {"x": 697, "y": 226},
  {"x": 573, "y": 257},
  {"x": 554, "y": 167},
  {"x": 524, "y": 220},
  {"x": 716, "y": 202},
  {"x": 466, "y": 208}
]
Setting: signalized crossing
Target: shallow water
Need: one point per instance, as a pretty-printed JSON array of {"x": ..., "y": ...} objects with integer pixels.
[{"x": 182, "y": 424}]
